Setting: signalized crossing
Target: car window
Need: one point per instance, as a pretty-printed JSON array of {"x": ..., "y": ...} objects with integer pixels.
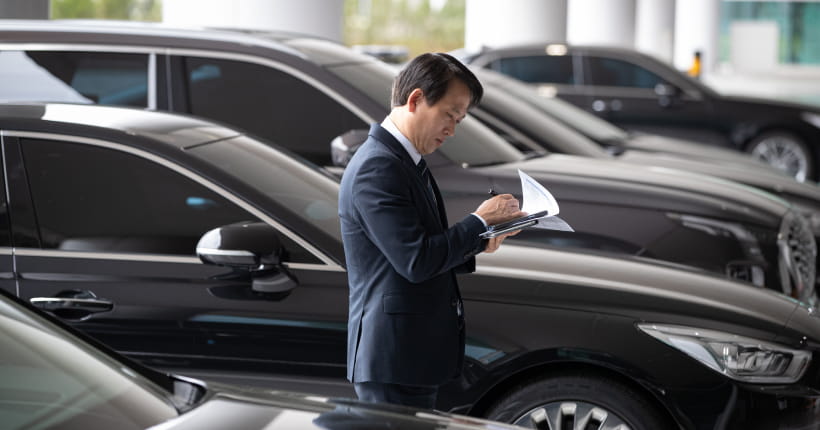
[
  {"x": 537, "y": 68},
  {"x": 268, "y": 103},
  {"x": 49, "y": 380},
  {"x": 617, "y": 73},
  {"x": 473, "y": 143},
  {"x": 296, "y": 187},
  {"x": 82, "y": 77},
  {"x": 91, "y": 198}
]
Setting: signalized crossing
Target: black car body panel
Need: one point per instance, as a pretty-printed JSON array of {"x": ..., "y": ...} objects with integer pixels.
[{"x": 137, "y": 397}]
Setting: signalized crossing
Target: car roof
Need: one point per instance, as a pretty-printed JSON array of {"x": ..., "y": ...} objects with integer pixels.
[
  {"x": 129, "y": 32},
  {"x": 174, "y": 130}
]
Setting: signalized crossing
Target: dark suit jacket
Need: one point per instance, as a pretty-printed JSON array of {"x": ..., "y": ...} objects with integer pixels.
[{"x": 403, "y": 326}]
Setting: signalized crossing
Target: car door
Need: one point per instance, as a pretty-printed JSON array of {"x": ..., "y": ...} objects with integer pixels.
[
  {"x": 637, "y": 98},
  {"x": 107, "y": 237}
]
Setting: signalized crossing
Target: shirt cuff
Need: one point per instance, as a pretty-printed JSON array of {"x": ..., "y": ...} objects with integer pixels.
[{"x": 480, "y": 219}]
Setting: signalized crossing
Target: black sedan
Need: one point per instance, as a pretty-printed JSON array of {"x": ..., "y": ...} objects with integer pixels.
[
  {"x": 104, "y": 208},
  {"x": 54, "y": 378},
  {"x": 639, "y": 92}
]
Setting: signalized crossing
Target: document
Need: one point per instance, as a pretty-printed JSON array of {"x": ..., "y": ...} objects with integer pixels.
[{"x": 539, "y": 204}]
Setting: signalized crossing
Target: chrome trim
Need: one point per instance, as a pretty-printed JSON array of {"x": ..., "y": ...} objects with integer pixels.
[
  {"x": 6, "y": 250},
  {"x": 137, "y": 49},
  {"x": 152, "y": 81},
  {"x": 157, "y": 258},
  {"x": 154, "y": 258},
  {"x": 231, "y": 252},
  {"x": 190, "y": 175},
  {"x": 26, "y": 46}
]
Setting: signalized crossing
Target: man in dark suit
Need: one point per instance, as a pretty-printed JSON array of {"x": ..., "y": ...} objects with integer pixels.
[{"x": 406, "y": 322}]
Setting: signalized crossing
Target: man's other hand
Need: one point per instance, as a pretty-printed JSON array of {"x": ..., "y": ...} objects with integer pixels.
[{"x": 495, "y": 242}]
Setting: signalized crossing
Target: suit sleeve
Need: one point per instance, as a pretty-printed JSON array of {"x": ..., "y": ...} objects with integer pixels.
[{"x": 383, "y": 198}]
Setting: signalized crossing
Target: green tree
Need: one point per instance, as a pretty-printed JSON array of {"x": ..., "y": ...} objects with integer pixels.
[
  {"x": 414, "y": 24},
  {"x": 133, "y": 10}
]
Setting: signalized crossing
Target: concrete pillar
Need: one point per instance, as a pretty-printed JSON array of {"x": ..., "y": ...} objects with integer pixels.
[
  {"x": 601, "y": 22},
  {"x": 509, "y": 22},
  {"x": 322, "y": 18},
  {"x": 654, "y": 27},
  {"x": 696, "y": 29},
  {"x": 24, "y": 9}
]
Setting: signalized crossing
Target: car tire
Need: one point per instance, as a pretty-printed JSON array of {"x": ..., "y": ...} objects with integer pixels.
[
  {"x": 784, "y": 151},
  {"x": 572, "y": 401}
]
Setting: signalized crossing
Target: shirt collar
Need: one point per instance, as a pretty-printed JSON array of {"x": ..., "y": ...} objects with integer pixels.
[{"x": 391, "y": 128}]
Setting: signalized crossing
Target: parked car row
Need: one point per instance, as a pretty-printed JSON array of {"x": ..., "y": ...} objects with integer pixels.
[
  {"x": 649, "y": 316},
  {"x": 243, "y": 80},
  {"x": 570, "y": 336},
  {"x": 640, "y": 92}
]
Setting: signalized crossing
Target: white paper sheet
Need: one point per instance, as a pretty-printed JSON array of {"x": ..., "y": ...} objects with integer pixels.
[{"x": 535, "y": 198}]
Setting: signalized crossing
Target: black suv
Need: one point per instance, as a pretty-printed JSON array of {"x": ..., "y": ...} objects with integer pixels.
[
  {"x": 104, "y": 208},
  {"x": 640, "y": 92},
  {"x": 303, "y": 93}
]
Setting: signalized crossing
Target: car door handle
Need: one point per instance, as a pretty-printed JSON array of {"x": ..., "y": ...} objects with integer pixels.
[{"x": 91, "y": 306}]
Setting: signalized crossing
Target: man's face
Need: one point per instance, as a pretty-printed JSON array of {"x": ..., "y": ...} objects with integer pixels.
[{"x": 432, "y": 125}]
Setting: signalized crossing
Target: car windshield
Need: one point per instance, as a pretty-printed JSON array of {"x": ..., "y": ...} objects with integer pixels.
[
  {"x": 292, "y": 182},
  {"x": 473, "y": 144},
  {"x": 52, "y": 380}
]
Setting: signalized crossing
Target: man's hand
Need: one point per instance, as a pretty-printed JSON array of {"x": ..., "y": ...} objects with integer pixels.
[
  {"x": 498, "y": 209},
  {"x": 495, "y": 242}
]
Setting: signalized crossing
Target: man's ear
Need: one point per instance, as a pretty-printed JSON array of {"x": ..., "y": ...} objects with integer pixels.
[{"x": 416, "y": 96}]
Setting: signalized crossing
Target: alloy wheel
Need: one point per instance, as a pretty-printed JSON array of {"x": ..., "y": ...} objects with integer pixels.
[
  {"x": 574, "y": 415},
  {"x": 783, "y": 153}
]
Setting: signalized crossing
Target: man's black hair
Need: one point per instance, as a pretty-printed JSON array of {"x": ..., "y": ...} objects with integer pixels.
[{"x": 433, "y": 72}]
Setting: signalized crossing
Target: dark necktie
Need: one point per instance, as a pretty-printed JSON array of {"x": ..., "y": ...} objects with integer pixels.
[{"x": 425, "y": 174}]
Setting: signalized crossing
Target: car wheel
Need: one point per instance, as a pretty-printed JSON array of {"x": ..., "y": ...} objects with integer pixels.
[
  {"x": 577, "y": 402},
  {"x": 784, "y": 151}
]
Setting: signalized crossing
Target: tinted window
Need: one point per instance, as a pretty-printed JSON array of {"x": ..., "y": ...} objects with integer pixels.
[
  {"x": 104, "y": 78},
  {"x": 538, "y": 68},
  {"x": 616, "y": 73},
  {"x": 473, "y": 144},
  {"x": 49, "y": 380},
  {"x": 268, "y": 103},
  {"x": 296, "y": 187},
  {"x": 89, "y": 198}
]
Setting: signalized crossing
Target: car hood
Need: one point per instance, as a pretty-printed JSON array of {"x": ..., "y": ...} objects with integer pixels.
[
  {"x": 765, "y": 105},
  {"x": 250, "y": 408},
  {"x": 634, "y": 287},
  {"x": 689, "y": 150},
  {"x": 661, "y": 188},
  {"x": 754, "y": 174}
]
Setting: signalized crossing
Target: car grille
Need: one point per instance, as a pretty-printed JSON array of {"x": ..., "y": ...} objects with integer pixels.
[{"x": 798, "y": 257}]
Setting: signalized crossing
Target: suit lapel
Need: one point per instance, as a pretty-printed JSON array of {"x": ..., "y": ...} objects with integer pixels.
[{"x": 434, "y": 203}]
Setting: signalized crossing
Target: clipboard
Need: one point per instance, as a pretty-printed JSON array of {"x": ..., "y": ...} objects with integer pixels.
[{"x": 512, "y": 225}]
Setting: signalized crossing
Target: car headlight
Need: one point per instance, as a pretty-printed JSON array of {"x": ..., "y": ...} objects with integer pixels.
[{"x": 737, "y": 357}]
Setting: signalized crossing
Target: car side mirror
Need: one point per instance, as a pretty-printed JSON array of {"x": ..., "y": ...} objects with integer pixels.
[
  {"x": 343, "y": 147},
  {"x": 251, "y": 246}
]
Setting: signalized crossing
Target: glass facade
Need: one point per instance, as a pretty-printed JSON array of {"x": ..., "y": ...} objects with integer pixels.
[{"x": 797, "y": 22}]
